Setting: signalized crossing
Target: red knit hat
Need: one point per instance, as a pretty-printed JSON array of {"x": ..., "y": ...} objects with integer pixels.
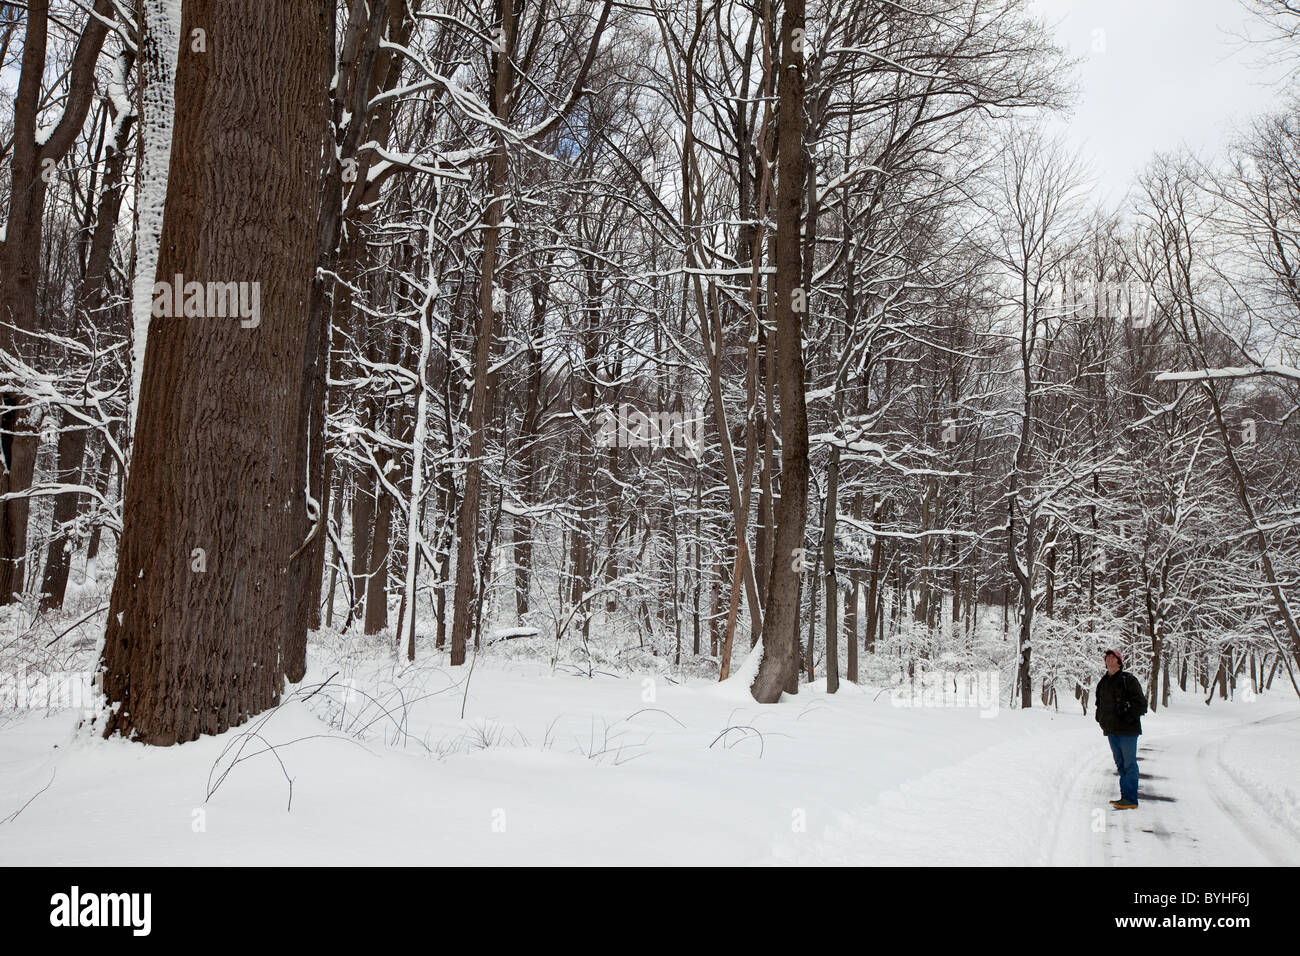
[{"x": 1117, "y": 654}]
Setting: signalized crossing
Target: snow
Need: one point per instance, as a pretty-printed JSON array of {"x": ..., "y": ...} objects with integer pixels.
[
  {"x": 506, "y": 633},
  {"x": 157, "y": 114},
  {"x": 548, "y": 767},
  {"x": 1250, "y": 371},
  {"x": 1191, "y": 812},
  {"x": 737, "y": 684},
  {"x": 1262, "y": 763},
  {"x": 123, "y": 107}
]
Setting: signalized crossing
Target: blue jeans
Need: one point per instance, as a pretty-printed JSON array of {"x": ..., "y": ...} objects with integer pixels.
[{"x": 1124, "y": 748}]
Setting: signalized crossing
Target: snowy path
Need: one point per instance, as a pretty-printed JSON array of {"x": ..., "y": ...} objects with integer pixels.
[
  {"x": 588, "y": 771},
  {"x": 1043, "y": 799},
  {"x": 1192, "y": 811}
]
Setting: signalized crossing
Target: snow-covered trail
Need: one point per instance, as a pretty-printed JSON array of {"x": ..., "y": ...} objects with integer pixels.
[
  {"x": 1215, "y": 790},
  {"x": 1192, "y": 809},
  {"x": 553, "y": 768}
]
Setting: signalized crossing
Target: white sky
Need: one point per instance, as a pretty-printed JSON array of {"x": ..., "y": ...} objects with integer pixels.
[{"x": 1157, "y": 75}]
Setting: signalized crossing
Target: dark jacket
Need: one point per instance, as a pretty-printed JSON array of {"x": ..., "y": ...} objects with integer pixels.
[{"x": 1111, "y": 690}]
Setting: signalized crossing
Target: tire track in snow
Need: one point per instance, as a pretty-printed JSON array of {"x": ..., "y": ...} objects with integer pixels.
[
  {"x": 998, "y": 807},
  {"x": 1044, "y": 799},
  {"x": 1271, "y": 837},
  {"x": 1191, "y": 811}
]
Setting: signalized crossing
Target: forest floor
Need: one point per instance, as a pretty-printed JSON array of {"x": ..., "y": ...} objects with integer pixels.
[{"x": 392, "y": 764}]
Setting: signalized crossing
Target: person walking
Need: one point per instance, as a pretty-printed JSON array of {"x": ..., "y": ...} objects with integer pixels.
[{"x": 1120, "y": 704}]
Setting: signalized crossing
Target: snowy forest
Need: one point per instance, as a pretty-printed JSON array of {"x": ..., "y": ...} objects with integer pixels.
[{"x": 386, "y": 365}]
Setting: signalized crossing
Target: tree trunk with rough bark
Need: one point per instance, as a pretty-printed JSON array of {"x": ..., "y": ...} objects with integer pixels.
[{"x": 200, "y": 604}]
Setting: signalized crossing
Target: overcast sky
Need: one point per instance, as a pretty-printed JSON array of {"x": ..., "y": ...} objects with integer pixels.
[{"x": 1156, "y": 75}]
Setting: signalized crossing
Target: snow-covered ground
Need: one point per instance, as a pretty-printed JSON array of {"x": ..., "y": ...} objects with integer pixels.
[{"x": 381, "y": 767}]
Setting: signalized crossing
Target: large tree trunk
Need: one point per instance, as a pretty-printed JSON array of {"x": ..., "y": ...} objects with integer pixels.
[
  {"x": 190, "y": 651},
  {"x": 779, "y": 668}
]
